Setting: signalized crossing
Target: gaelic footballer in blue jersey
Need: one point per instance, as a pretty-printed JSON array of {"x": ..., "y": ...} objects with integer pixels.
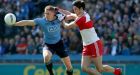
[{"x": 51, "y": 27}]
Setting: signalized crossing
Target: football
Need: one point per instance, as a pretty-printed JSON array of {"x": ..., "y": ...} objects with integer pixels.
[{"x": 10, "y": 19}]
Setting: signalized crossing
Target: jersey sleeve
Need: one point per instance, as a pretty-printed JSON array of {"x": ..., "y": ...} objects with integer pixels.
[
  {"x": 37, "y": 21},
  {"x": 80, "y": 21}
]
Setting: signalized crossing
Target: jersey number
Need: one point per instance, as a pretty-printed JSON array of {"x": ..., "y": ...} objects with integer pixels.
[{"x": 52, "y": 28}]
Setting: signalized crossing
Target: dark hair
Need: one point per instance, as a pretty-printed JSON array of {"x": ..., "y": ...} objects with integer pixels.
[{"x": 79, "y": 4}]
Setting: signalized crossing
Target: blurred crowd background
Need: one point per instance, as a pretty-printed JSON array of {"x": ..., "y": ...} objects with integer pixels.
[{"x": 117, "y": 23}]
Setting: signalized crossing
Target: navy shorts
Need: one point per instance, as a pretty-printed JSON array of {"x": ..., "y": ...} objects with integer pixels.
[{"x": 57, "y": 49}]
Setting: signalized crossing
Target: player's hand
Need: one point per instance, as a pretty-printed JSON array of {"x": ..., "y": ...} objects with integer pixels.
[{"x": 60, "y": 16}]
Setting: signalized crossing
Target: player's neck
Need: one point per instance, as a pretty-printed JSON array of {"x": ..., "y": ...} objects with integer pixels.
[
  {"x": 81, "y": 14},
  {"x": 51, "y": 19}
]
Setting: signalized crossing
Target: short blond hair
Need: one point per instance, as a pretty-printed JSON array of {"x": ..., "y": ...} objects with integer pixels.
[{"x": 50, "y": 7}]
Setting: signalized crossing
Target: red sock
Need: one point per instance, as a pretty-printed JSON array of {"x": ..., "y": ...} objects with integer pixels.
[{"x": 117, "y": 71}]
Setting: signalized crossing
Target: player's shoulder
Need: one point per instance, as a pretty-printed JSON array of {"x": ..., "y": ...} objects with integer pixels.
[
  {"x": 82, "y": 18},
  {"x": 40, "y": 18},
  {"x": 39, "y": 21},
  {"x": 85, "y": 17}
]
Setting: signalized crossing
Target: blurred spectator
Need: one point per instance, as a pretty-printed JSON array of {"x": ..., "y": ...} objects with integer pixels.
[
  {"x": 130, "y": 43},
  {"x": 114, "y": 47},
  {"x": 135, "y": 48},
  {"x": 2, "y": 48},
  {"x": 67, "y": 4},
  {"x": 12, "y": 47},
  {"x": 39, "y": 43},
  {"x": 25, "y": 32},
  {"x": 73, "y": 40},
  {"x": 125, "y": 50},
  {"x": 2, "y": 25},
  {"x": 120, "y": 43},
  {"x": 18, "y": 13},
  {"x": 31, "y": 49},
  {"x": 22, "y": 46},
  {"x": 17, "y": 39},
  {"x": 29, "y": 37},
  {"x": 24, "y": 9},
  {"x": 107, "y": 47},
  {"x": 6, "y": 44}
]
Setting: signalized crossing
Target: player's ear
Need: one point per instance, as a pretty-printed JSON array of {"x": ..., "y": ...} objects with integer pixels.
[{"x": 56, "y": 9}]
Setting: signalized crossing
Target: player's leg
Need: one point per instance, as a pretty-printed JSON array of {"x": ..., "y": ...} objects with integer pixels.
[
  {"x": 101, "y": 68},
  {"x": 97, "y": 59},
  {"x": 105, "y": 68},
  {"x": 85, "y": 65},
  {"x": 64, "y": 57},
  {"x": 67, "y": 63},
  {"x": 47, "y": 60}
]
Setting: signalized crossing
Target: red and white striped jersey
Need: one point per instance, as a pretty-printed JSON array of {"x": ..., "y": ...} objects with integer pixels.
[{"x": 87, "y": 30}]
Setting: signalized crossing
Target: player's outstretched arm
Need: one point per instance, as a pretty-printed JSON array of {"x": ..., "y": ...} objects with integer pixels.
[
  {"x": 69, "y": 25},
  {"x": 64, "y": 11},
  {"x": 25, "y": 23}
]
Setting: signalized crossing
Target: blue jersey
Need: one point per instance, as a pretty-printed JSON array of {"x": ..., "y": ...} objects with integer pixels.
[{"x": 51, "y": 29}]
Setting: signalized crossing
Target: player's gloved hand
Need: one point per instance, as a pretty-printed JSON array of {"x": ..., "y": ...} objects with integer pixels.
[{"x": 60, "y": 16}]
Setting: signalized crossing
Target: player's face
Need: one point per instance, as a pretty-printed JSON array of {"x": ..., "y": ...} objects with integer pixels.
[
  {"x": 49, "y": 14},
  {"x": 76, "y": 10}
]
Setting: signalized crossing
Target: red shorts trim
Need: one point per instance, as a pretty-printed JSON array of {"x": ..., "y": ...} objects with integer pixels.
[{"x": 94, "y": 49}]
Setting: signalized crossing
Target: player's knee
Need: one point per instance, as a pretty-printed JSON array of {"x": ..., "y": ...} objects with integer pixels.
[
  {"x": 69, "y": 68},
  {"x": 67, "y": 63},
  {"x": 84, "y": 68},
  {"x": 47, "y": 58}
]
